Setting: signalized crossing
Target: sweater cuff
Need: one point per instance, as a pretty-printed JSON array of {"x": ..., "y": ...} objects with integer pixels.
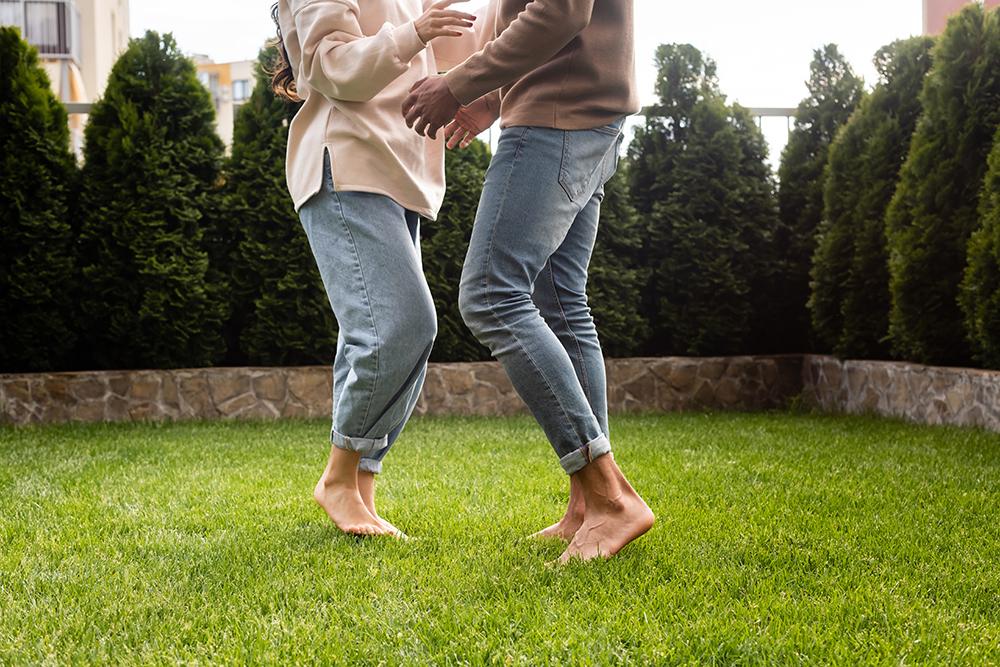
[
  {"x": 408, "y": 43},
  {"x": 461, "y": 86}
]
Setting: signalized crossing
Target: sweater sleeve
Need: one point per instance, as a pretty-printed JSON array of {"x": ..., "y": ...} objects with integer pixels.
[
  {"x": 538, "y": 33},
  {"x": 339, "y": 61}
]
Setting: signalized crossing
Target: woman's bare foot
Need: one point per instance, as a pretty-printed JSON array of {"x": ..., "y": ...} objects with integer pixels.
[
  {"x": 337, "y": 493},
  {"x": 615, "y": 514},
  {"x": 366, "y": 487},
  {"x": 571, "y": 521}
]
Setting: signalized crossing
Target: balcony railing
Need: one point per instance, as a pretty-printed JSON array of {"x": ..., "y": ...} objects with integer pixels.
[{"x": 52, "y": 26}]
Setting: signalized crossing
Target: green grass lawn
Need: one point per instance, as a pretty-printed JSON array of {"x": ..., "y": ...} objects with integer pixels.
[{"x": 781, "y": 539}]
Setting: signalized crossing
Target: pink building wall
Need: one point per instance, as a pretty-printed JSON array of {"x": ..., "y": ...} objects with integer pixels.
[{"x": 937, "y": 12}]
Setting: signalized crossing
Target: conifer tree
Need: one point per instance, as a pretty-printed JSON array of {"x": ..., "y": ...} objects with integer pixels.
[
  {"x": 37, "y": 176},
  {"x": 834, "y": 93},
  {"x": 935, "y": 208},
  {"x": 981, "y": 287},
  {"x": 706, "y": 200},
  {"x": 850, "y": 273},
  {"x": 152, "y": 170},
  {"x": 279, "y": 311}
]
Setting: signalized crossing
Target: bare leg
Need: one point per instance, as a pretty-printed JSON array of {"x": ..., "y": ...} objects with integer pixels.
[
  {"x": 615, "y": 515},
  {"x": 571, "y": 521},
  {"x": 337, "y": 493},
  {"x": 366, "y": 487}
]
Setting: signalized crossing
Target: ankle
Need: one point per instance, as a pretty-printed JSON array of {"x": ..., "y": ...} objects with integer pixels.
[
  {"x": 612, "y": 503},
  {"x": 576, "y": 511}
]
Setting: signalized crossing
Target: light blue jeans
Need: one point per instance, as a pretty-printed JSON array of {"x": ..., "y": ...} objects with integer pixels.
[
  {"x": 524, "y": 284},
  {"x": 367, "y": 248}
]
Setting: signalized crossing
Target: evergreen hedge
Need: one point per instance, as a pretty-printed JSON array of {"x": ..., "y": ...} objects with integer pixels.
[
  {"x": 279, "y": 312},
  {"x": 850, "y": 273},
  {"x": 834, "y": 93},
  {"x": 37, "y": 177},
  {"x": 706, "y": 199},
  {"x": 152, "y": 170},
  {"x": 935, "y": 207},
  {"x": 980, "y": 297}
]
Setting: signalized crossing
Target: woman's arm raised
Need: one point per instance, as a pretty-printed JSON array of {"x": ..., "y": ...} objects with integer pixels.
[{"x": 340, "y": 62}]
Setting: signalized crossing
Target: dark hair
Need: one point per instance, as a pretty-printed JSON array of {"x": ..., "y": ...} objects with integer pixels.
[{"x": 282, "y": 76}]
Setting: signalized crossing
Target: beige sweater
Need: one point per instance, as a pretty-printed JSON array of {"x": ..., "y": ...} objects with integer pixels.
[
  {"x": 567, "y": 64},
  {"x": 354, "y": 63}
]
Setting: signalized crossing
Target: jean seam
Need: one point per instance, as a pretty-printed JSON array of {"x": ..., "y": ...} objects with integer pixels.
[
  {"x": 486, "y": 286},
  {"x": 371, "y": 312},
  {"x": 584, "y": 383}
]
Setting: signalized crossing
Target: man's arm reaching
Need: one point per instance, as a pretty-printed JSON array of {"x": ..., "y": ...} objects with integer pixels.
[{"x": 538, "y": 33}]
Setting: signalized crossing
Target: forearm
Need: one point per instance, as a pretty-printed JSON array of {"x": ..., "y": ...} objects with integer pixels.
[
  {"x": 539, "y": 32},
  {"x": 338, "y": 61}
]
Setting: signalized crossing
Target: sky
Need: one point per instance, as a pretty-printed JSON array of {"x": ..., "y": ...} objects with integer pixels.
[{"x": 762, "y": 47}]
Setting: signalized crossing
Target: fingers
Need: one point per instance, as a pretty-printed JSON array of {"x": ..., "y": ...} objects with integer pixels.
[
  {"x": 443, "y": 32},
  {"x": 458, "y": 16},
  {"x": 417, "y": 85},
  {"x": 412, "y": 116},
  {"x": 458, "y": 139},
  {"x": 420, "y": 126},
  {"x": 442, "y": 4}
]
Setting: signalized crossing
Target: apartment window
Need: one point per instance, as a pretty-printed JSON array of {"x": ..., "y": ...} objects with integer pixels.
[
  {"x": 46, "y": 26},
  {"x": 241, "y": 90}
]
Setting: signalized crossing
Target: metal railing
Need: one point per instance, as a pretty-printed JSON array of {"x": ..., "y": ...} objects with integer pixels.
[{"x": 52, "y": 26}]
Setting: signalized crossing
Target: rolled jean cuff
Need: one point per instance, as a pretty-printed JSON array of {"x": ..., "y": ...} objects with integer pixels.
[
  {"x": 577, "y": 460},
  {"x": 363, "y": 446},
  {"x": 370, "y": 465}
]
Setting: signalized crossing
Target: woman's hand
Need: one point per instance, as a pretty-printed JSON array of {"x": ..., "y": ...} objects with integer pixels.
[
  {"x": 438, "y": 21},
  {"x": 469, "y": 123}
]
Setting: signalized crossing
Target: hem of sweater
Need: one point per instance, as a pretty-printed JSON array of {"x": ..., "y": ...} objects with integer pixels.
[
  {"x": 423, "y": 211},
  {"x": 544, "y": 117}
]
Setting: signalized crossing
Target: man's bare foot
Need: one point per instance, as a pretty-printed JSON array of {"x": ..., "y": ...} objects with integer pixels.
[
  {"x": 337, "y": 493},
  {"x": 366, "y": 487},
  {"x": 615, "y": 514},
  {"x": 571, "y": 521}
]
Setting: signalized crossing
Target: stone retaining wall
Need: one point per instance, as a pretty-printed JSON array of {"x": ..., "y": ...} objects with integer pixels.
[
  {"x": 923, "y": 394},
  {"x": 918, "y": 393},
  {"x": 635, "y": 385}
]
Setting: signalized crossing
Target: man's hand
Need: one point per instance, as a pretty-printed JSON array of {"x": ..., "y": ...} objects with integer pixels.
[
  {"x": 429, "y": 106},
  {"x": 470, "y": 122}
]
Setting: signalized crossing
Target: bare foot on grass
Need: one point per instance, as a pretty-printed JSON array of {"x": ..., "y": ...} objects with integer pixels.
[
  {"x": 337, "y": 493},
  {"x": 615, "y": 514},
  {"x": 571, "y": 521},
  {"x": 366, "y": 487}
]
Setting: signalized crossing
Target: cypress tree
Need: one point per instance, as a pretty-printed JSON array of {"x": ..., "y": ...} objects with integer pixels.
[
  {"x": 706, "y": 199},
  {"x": 37, "y": 175},
  {"x": 834, "y": 93},
  {"x": 980, "y": 297},
  {"x": 279, "y": 312},
  {"x": 616, "y": 275},
  {"x": 850, "y": 274},
  {"x": 444, "y": 244},
  {"x": 934, "y": 210},
  {"x": 152, "y": 168}
]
